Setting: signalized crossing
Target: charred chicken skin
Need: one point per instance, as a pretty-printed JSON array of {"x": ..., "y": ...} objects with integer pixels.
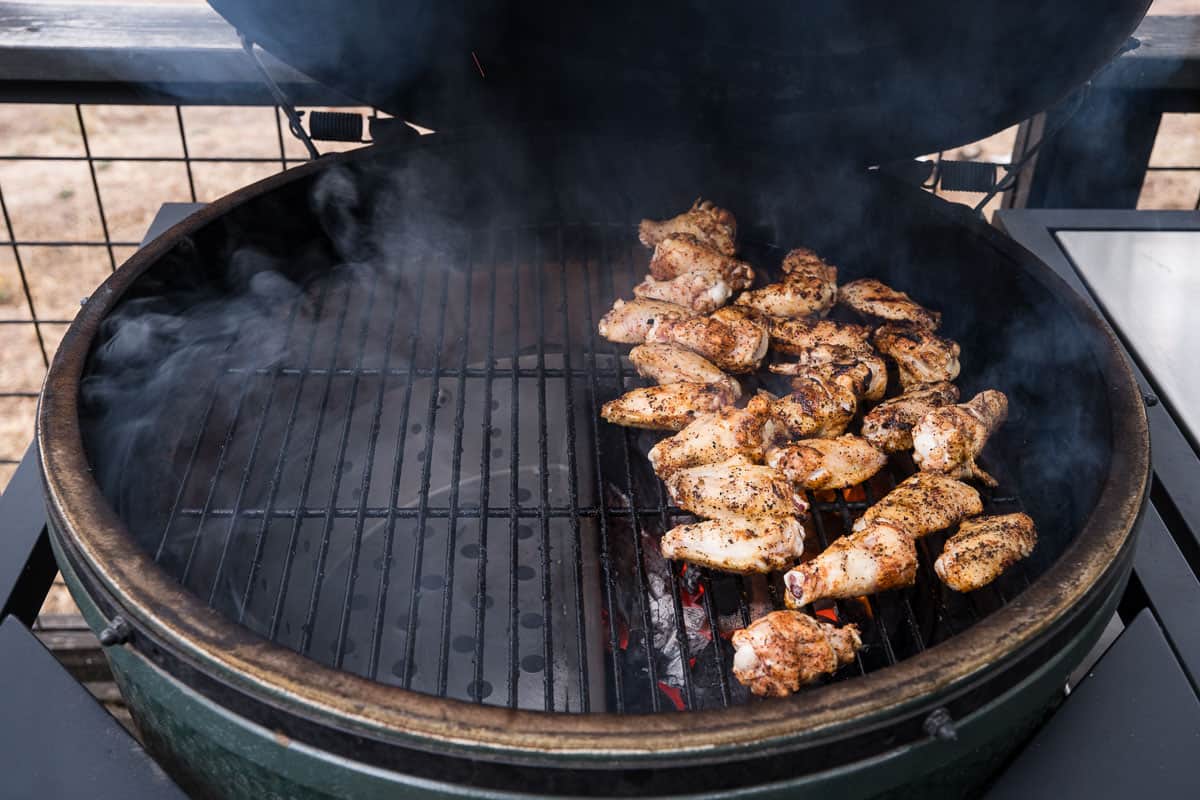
[
  {"x": 874, "y": 298},
  {"x": 808, "y": 288},
  {"x": 836, "y": 463},
  {"x": 667, "y": 407},
  {"x": 670, "y": 363},
  {"x": 983, "y": 548},
  {"x": 735, "y": 488},
  {"x": 631, "y": 321},
  {"x": 795, "y": 336},
  {"x": 921, "y": 356},
  {"x": 743, "y": 546},
  {"x": 821, "y": 404},
  {"x": 718, "y": 437},
  {"x": 889, "y": 425},
  {"x": 709, "y": 223},
  {"x": 949, "y": 439},
  {"x": 879, "y": 557},
  {"x": 923, "y": 504},
  {"x": 734, "y": 339},
  {"x": 701, "y": 291},
  {"x": 849, "y": 357},
  {"x": 777, "y": 654},
  {"x": 681, "y": 254}
]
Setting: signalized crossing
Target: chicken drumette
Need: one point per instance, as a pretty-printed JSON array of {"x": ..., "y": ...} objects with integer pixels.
[
  {"x": 835, "y": 463},
  {"x": 924, "y": 503},
  {"x": 777, "y": 654},
  {"x": 670, "y": 363},
  {"x": 734, "y": 339},
  {"x": 949, "y": 439},
  {"x": 737, "y": 545},
  {"x": 709, "y": 223},
  {"x": 983, "y": 548},
  {"x": 718, "y": 437},
  {"x": 735, "y": 488},
  {"x": 667, "y": 407},
  {"x": 889, "y": 425},
  {"x": 921, "y": 356},
  {"x": 631, "y": 321},
  {"x": 681, "y": 254},
  {"x": 874, "y": 298},
  {"x": 879, "y": 557},
  {"x": 808, "y": 287}
]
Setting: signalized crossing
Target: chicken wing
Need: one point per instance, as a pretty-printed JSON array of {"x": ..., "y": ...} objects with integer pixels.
[
  {"x": 667, "y": 407},
  {"x": 876, "y": 384},
  {"x": 711, "y": 224},
  {"x": 735, "y": 488},
  {"x": 836, "y": 463},
  {"x": 921, "y": 356},
  {"x": 777, "y": 654},
  {"x": 718, "y": 437},
  {"x": 795, "y": 336},
  {"x": 680, "y": 254},
  {"x": 949, "y": 439},
  {"x": 734, "y": 339},
  {"x": 743, "y": 546},
  {"x": 874, "y": 298},
  {"x": 809, "y": 287},
  {"x": 922, "y": 504},
  {"x": 631, "y": 321},
  {"x": 670, "y": 363},
  {"x": 877, "y": 558},
  {"x": 983, "y": 548},
  {"x": 821, "y": 404},
  {"x": 889, "y": 425},
  {"x": 701, "y": 291}
]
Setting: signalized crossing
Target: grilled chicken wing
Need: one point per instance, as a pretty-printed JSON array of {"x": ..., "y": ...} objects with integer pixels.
[
  {"x": 709, "y": 223},
  {"x": 735, "y": 488},
  {"x": 873, "y": 298},
  {"x": 809, "y": 287},
  {"x": 718, "y": 437},
  {"x": 668, "y": 407},
  {"x": 777, "y": 654},
  {"x": 877, "y": 558},
  {"x": 949, "y": 439},
  {"x": 795, "y": 336},
  {"x": 983, "y": 548},
  {"x": 821, "y": 404},
  {"x": 922, "y": 504},
  {"x": 701, "y": 291},
  {"x": 670, "y": 363},
  {"x": 743, "y": 546},
  {"x": 876, "y": 383},
  {"x": 631, "y": 321},
  {"x": 835, "y": 463},
  {"x": 734, "y": 339},
  {"x": 920, "y": 355},
  {"x": 889, "y": 425},
  {"x": 680, "y": 254}
]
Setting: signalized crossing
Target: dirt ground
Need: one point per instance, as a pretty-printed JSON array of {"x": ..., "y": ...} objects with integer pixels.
[{"x": 55, "y": 201}]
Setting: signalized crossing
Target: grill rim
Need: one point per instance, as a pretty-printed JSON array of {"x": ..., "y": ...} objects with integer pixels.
[{"x": 100, "y": 545}]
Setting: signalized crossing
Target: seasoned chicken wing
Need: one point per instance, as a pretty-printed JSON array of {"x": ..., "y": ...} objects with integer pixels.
[
  {"x": 743, "y": 546},
  {"x": 921, "y": 356},
  {"x": 889, "y": 425},
  {"x": 821, "y": 404},
  {"x": 877, "y": 558},
  {"x": 809, "y": 287},
  {"x": 667, "y": 407},
  {"x": 735, "y": 488},
  {"x": 734, "y": 339},
  {"x": 873, "y": 298},
  {"x": 678, "y": 255},
  {"x": 795, "y": 336},
  {"x": 709, "y": 223},
  {"x": 670, "y": 363},
  {"x": 848, "y": 357},
  {"x": 631, "y": 321},
  {"x": 949, "y": 439},
  {"x": 836, "y": 463},
  {"x": 924, "y": 503},
  {"x": 983, "y": 548},
  {"x": 777, "y": 654},
  {"x": 702, "y": 291},
  {"x": 718, "y": 437}
]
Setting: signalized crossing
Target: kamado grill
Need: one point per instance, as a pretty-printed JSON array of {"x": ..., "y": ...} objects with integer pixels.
[{"x": 325, "y": 470}]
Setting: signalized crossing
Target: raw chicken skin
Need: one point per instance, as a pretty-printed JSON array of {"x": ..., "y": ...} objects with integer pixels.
[
  {"x": 735, "y": 488},
  {"x": 631, "y": 321},
  {"x": 875, "y": 559},
  {"x": 742, "y": 546}
]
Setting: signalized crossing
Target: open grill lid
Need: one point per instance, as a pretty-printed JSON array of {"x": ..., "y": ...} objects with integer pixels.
[{"x": 870, "y": 80}]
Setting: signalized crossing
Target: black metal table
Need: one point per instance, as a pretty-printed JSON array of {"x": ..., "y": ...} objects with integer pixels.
[{"x": 1130, "y": 722}]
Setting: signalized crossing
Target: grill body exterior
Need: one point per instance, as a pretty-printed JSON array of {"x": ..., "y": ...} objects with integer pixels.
[{"x": 236, "y": 713}]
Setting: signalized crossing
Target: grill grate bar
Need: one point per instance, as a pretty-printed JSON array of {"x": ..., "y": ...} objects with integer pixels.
[
  {"x": 543, "y": 476},
  {"x": 513, "y": 489}
]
